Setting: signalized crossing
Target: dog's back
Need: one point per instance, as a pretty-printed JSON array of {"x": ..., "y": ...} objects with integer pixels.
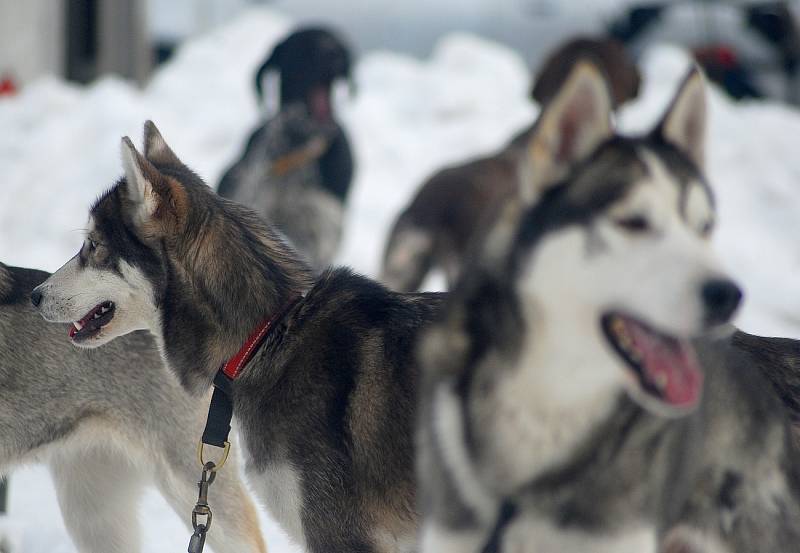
[
  {"x": 350, "y": 353},
  {"x": 436, "y": 229},
  {"x": 740, "y": 483},
  {"x": 779, "y": 359}
]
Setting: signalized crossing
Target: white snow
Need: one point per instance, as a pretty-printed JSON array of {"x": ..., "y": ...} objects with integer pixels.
[{"x": 59, "y": 148}]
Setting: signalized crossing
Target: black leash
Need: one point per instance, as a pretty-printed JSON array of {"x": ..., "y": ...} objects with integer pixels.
[
  {"x": 215, "y": 433},
  {"x": 508, "y": 511},
  {"x": 220, "y": 413},
  {"x": 218, "y": 424}
]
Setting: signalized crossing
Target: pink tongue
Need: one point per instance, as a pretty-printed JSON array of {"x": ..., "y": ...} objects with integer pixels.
[
  {"x": 320, "y": 104},
  {"x": 669, "y": 360}
]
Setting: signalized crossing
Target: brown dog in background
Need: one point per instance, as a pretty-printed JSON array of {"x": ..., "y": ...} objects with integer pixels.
[{"x": 457, "y": 203}]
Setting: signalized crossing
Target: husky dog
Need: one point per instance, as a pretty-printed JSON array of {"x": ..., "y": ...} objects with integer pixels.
[
  {"x": 326, "y": 407},
  {"x": 562, "y": 384},
  {"x": 297, "y": 167},
  {"x": 107, "y": 424},
  {"x": 460, "y": 203}
]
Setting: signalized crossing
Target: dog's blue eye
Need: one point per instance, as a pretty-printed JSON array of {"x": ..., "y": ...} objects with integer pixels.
[{"x": 634, "y": 223}]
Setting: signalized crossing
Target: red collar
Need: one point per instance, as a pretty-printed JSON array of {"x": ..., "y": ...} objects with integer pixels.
[{"x": 235, "y": 364}]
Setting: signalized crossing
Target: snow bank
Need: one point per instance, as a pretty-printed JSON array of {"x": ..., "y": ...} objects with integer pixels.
[{"x": 60, "y": 148}]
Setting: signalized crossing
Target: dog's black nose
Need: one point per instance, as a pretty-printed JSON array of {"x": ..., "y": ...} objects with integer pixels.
[
  {"x": 721, "y": 298},
  {"x": 36, "y": 298}
]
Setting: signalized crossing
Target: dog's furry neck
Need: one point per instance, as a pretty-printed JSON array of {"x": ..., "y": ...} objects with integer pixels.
[
  {"x": 239, "y": 272},
  {"x": 550, "y": 397}
]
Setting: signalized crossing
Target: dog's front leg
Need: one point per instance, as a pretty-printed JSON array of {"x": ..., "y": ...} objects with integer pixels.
[{"x": 98, "y": 490}]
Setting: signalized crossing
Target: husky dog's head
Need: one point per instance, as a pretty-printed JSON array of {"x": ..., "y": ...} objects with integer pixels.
[
  {"x": 163, "y": 252},
  {"x": 609, "y": 54},
  {"x": 614, "y": 260}
]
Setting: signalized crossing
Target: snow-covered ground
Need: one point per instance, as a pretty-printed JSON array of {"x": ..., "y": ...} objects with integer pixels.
[{"x": 59, "y": 148}]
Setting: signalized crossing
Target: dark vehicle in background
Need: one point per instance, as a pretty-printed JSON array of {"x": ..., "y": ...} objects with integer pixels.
[{"x": 751, "y": 49}]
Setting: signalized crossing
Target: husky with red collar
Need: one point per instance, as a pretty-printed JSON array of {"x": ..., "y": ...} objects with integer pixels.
[
  {"x": 580, "y": 393},
  {"x": 325, "y": 407},
  {"x": 107, "y": 426}
]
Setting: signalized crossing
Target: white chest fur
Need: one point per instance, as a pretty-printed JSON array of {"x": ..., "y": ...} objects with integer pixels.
[
  {"x": 278, "y": 488},
  {"x": 544, "y": 409}
]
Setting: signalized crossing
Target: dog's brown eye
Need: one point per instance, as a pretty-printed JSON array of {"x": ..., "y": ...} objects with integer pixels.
[
  {"x": 634, "y": 223},
  {"x": 92, "y": 245}
]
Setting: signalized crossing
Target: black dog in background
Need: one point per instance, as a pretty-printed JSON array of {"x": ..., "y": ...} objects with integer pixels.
[{"x": 297, "y": 167}]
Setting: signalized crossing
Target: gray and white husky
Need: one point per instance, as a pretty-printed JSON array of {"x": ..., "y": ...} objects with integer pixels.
[
  {"x": 562, "y": 403},
  {"x": 107, "y": 424},
  {"x": 326, "y": 407}
]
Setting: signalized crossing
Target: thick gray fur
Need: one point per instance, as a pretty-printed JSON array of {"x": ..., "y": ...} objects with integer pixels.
[
  {"x": 326, "y": 407},
  {"x": 107, "y": 423},
  {"x": 730, "y": 470},
  {"x": 724, "y": 478}
]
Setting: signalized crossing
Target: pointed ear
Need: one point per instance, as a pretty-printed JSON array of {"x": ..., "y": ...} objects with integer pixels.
[
  {"x": 155, "y": 147},
  {"x": 271, "y": 65},
  {"x": 572, "y": 126},
  {"x": 684, "y": 124},
  {"x": 142, "y": 181}
]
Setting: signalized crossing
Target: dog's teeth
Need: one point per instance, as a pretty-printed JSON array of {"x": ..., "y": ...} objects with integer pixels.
[
  {"x": 96, "y": 315},
  {"x": 103, "y": 310},
  {"x": 77, "y": 326}
]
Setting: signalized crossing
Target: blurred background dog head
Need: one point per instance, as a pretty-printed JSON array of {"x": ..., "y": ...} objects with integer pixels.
[{"x": 307, "y": 62}]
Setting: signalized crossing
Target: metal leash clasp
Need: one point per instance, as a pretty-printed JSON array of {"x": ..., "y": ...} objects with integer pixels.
[{"x": 201, "y": 509}]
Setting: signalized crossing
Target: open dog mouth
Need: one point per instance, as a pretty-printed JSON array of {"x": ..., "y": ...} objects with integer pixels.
[
  {"x": 91, "y": 323},
  {"x": 664, "y": 367},
  {"x": 319, "y": 102}
]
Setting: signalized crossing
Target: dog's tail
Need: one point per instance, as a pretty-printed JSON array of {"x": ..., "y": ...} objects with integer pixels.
[
  {"x": 778, "y": 359},
  {"x": 408, "y": 256}
]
